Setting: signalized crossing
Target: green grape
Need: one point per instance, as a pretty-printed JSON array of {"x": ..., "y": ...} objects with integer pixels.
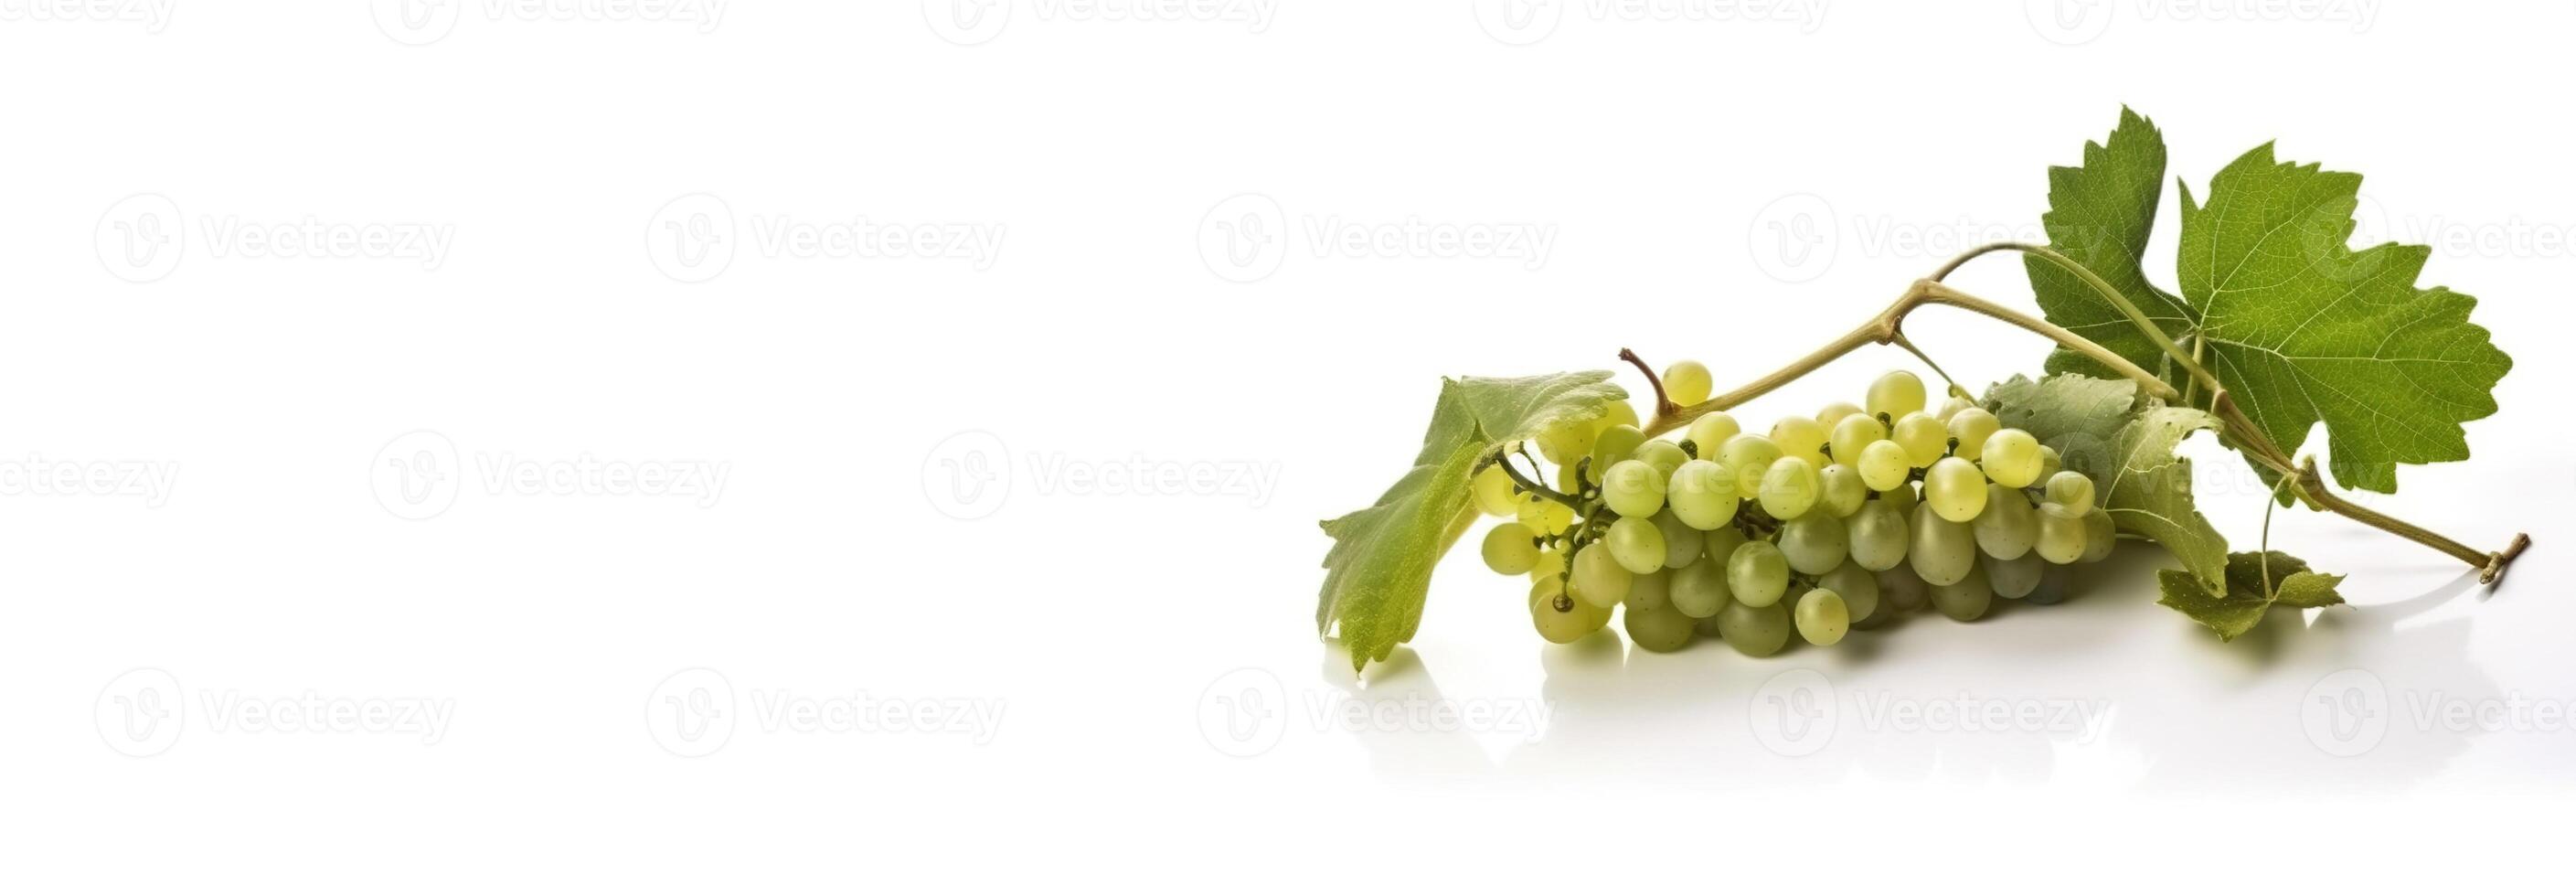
[
  {"x": 1924, "y": 439},
  {"x": 1814, "y": 544},
  {"x": 1951, "y": 408},
  {"x": 1636, "y": 544},
  {"x": 1756, "y": 574},
  {"x": 2049, "y": 463},
  {"x": 2062, "y": 540},
  {"x": 1967, "y": 598},
  {"x": 1722, "y": 544},
  {"x": 1754, "y": 631},
  {"x": 1565, "y": 441},
  {"x": 1822, "y": 617},
  {"x": 1663, "y": 455},
  {"x": 1833, "y": 415},
  {"x": 1955, "y": 489},
  {"x": 1710, "y": 431},
  {"x": 1707, "y": 627},
  {"x": 1895, "y": 393},
  {"x": 1699, "y": 590},
  {"x": 1567, "y": 482},
  {"x": 1493, "y": 492},
  {"x": 2100, "y": 536},
  {"x": 2069, "y": 494},
  {"x": 1550, "y": 565},
  {"x": 1650, "y": 592},
  {"x": 1746, "y": 457},
  {"x": 1562, "y": 619},
  {"x": 1839, "y": 490},
  {"x": 2008, "y": 526},
  {"x": 1599, "y": 580},
  {"x": 2011, "y": 458},
  {"x": 2016, "y": 577},
  {"x": 1633, "y": 488},
  {"x": 1511, "y": 549},
  {"x": 1616, "y": 444},
  {"x": 1682, "y": 543},
  {"x": 1662, "y": 631},
  {"x": 1902, "y": 498},
  {"x": 1686, "y": 382},
  {"x": 1901, "y": 590},
  {"x": 1858, "y": 587},
  {"x": 1854, "y": 434},
  {"x": 1617, "y": 413},
  {"x": 1877, "y": 536},
  {"x": 1942, "y": 551},
  {"x": 1971, "y": 426},
  {"x": 2052, "y": 586},
  {"x": 1702, "y": 495},
  {"x": 1544, "y": 516},
  {"x": 1790, "y": 488},
  {"x": 1883, "y": 465},
  {"x": 1800, "y": 437}
]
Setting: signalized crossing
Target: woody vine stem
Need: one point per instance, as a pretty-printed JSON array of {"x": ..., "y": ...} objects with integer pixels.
[{"x": 2238, "y": 430}]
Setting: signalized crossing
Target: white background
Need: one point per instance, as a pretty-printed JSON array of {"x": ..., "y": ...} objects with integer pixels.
[{"x": 1113, "y": 635}]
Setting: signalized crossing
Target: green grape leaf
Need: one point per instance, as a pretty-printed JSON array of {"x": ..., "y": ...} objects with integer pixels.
[
  {"x": 1378, "y": 571},
  {"x": 2236, "y": 608},
  {"x": 2099, "y": 214},
  {"x": 2100, "y": 428},
  {"x": 2303, "y": 329}
]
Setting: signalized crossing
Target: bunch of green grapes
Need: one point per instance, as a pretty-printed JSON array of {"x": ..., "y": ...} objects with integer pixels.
[{"x": 1846, "y": 519}]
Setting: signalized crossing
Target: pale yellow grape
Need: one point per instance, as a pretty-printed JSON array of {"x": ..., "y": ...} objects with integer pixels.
[
  {"x": 1710, "y": 431},
  {"x": 1789, "y": 488},
  {"x": 1965, "y": 599},
  {"x": 1955, "y": 489},
  {"x": 2061, "y": 540},
  {"x": 1903, "y": 498},
  {"x": 1883, "y": 466},
  {"x": 1617, "y": 443},
  {"x": 2101, "y": 534},
  {"x": 1757, "y": 574},
  {"x": 1544, "y": 516},
  {"x": 1510, "y": 549},
  {"x": 1833, "y": 415},
  {"x": 1942, "y": 551},
  {"x": 1839, "y": 490},
  {"x": 1754, "y": 631},
  {"x": 1877, "y": 536},
  {"x": 1662, "y": 631},
  {"x": 1951, "y": 408},
  {"x": 1633, "y": 488},
  {"x": 2010, "y": 458},
  {"x": 1814, "y": 544},
  {"x": 1652, "y": 592},
  {"x": 1663, "y": 455},
  {"x": 1853, "y": 434},
  {"x": 1562, "y": 619},
  {"x": 1702, "y": 495},
  {"x": 1565, "y": 442},
  {"x": 1494, "y": 492},
  {"x": 1682, "y": 543},
  {"x": 1722, "y": 544},
  {"x": 1857, "y": 586},
  {"x": 1551, "y": 564},
  {"x": 1822, "y": 617},
  {"x": 1699, "y": 590},
  {"x": 1566, "y": 480},
  {"x": 1636, "y": 544},
  {"x": 2008, "y": 526},
  {"x": 2015, "y": 578},
  {"x": 1686, "y": 382},
  {"x": 2049, "y": 463},
  {"x": 1598, "y": 579},
  {"x": 1895, "y": 393},
  {"x": 1971, "y": 426},
  {"x": 1924, "y": 439},
  {"x": 1614, "y": 414},
  {"x": 2069, "y": 494},
  {"x": 1801, "y": 437},
  {"x": 1746, "y": 457}
]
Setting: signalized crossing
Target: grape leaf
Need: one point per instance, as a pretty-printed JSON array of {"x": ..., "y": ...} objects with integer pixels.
[
  {"x": 2101, "y": 429},
  {"x": 1378, "y": 571},
  {"x": 2099, "y": 214},
  {"x": 2235, "y": 609},
  {"x": 2301, "y": 328}
]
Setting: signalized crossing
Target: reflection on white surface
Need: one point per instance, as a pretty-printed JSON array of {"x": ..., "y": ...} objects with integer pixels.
[{"x": 2106, "y": 692}]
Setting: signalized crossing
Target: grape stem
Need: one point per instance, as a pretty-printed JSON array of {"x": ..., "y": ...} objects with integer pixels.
[
  {"x": 1505, "y": 461},
  {"x": 1886, "y": 328}
]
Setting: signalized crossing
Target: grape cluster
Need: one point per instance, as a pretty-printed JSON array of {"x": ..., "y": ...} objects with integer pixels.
[{"x": 1849, "y": 518}]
